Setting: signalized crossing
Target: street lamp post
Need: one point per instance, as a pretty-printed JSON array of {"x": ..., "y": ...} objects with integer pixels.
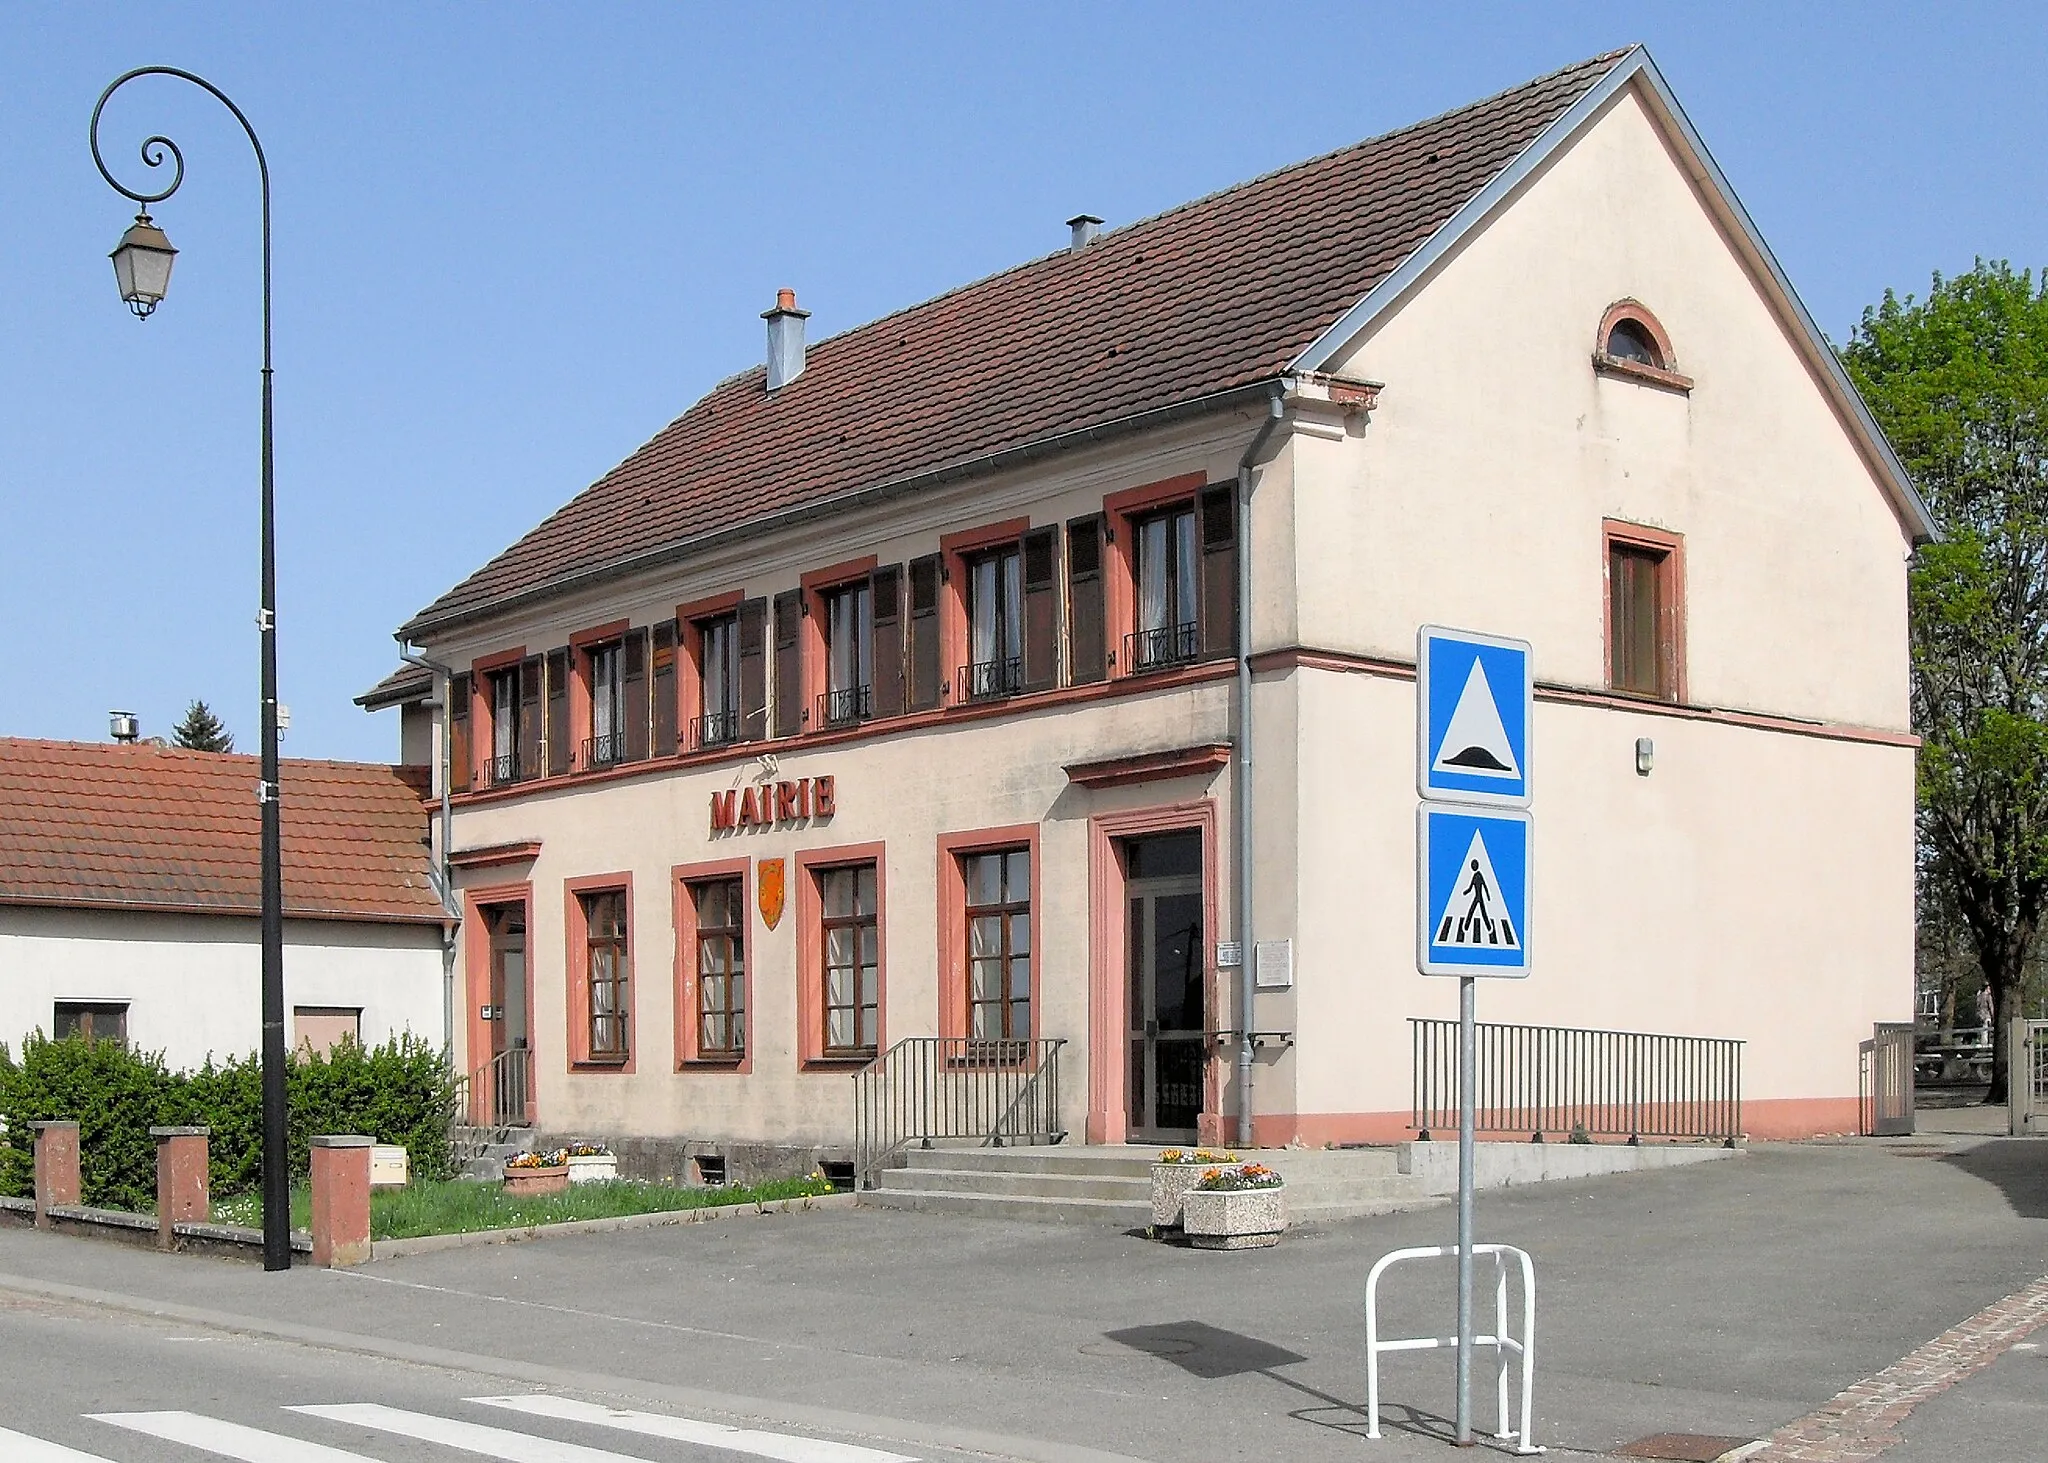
[{"x": 142, "y": 268}]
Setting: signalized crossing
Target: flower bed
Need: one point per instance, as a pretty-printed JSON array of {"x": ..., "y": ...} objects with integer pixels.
[
  {"x": 1238, "y": 1208},
  {"x": 1174, "y": 1172}
]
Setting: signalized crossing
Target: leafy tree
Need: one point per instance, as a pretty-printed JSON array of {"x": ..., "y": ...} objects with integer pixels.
[
  {"x": 202, "y": 731},
  {"x": 1959, "y": 381}
]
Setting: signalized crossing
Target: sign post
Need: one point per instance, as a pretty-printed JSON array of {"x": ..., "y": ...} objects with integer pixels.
[{"x": 1475, "y": 699}]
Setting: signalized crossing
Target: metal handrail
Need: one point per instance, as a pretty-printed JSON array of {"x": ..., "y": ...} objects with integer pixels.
[
  {"x": 1577, "y": 1081},
  {"x": 497, "y": 1094},
  {"x": 930, "y": 1088},
  {"x": 1161, "y": 647}
]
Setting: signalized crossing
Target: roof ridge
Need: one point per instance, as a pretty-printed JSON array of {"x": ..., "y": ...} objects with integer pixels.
[{"x": 183, "y": 753}]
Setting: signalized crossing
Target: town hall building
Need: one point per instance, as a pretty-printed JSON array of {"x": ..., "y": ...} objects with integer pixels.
[{"x": 1024, "y": 684}]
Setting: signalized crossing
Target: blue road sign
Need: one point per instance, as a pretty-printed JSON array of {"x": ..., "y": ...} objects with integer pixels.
[
  {"x": 1475, "y": 697},
  {"x": 1473, "y": 876}
]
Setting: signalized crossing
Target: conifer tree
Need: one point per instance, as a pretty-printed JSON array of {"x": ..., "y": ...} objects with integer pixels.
[{"x": 202, "y": 731}]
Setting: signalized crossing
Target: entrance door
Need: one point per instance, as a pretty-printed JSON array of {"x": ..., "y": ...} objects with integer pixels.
[
  {"x": 509, "y": 1082},
  {"x": 1169, "y": 1040}
]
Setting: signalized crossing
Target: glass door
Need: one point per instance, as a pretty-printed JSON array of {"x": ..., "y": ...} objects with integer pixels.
[{"x": 1168, "y": 1016}]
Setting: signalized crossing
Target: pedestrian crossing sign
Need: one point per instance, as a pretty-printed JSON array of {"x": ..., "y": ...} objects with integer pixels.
[
  {"x": 1473, "y": 879},
  {"x": 1474, "y": 702}
]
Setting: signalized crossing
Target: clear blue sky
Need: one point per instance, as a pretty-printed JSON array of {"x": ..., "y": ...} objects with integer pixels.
[{"x": 513, "y": 241}]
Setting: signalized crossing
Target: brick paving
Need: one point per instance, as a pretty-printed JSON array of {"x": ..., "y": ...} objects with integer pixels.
[{"x": 1862, "y": 1421}]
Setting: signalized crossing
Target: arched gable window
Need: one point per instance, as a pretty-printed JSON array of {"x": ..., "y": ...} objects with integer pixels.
[{"x": 1632, "y": 343}]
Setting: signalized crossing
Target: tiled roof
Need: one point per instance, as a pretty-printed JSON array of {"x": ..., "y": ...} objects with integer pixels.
[
  {"x": 103, "y": 825},
  {"x": 407, "y": 683},
  {"x": 1214, "y": 296}
]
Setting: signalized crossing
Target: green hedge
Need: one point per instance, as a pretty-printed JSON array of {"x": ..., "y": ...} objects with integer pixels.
[{"x": 400, "y": 1092}]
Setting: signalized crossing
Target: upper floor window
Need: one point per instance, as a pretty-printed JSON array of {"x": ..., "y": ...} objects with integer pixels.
[
  {"x": 1632, "y": 343},
  {"x": 719, "y": 681},
  {"x": 849, "y": 654},
  {"x": 515, "y": 709},
  {"x": 1645, "y": 612},
  {"x": 607, "y": 743},
  {"x": 1168, "y": 629},
  {"x": 995, "y": 624}
]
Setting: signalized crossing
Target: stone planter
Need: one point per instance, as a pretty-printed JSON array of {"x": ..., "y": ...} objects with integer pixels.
[
  {"x": 595, "y": 1168},
  {"x": 1170, "y": 1181},
  {"x": 537, "y": 1180},
  {"x": 1234, "y": 1219}
]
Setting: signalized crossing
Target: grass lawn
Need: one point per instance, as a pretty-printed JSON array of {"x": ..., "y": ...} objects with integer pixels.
[{"x": 464, "y": 1207}]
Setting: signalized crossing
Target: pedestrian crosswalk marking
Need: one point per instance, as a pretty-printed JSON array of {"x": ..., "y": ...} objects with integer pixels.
[
  {"x": 783, "y": 1446},
  {"x": 227, "y": 1439},
  {"x": 21, "y": 1448},
  {"x": 1475, "y": 917},
  {"x": 470, "y": 1437}
]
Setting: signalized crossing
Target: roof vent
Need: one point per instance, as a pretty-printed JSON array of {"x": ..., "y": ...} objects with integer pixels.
[
  {"x": 1085, "y": 227},
  {"x": 785, "y": 340},
  {"x": 124, "y": 726}
]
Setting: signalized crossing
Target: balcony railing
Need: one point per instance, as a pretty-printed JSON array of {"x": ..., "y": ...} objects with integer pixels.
[
  {"x": 1169, "y": 645},
  {"x": 844, "y": 708},
  {"x": 504, "y": 771},
  {"x": 606, "y": 751},
  {"x": 991, "y": 680},
  {"x": 715, "y": 728},
  {"x": 1568, "y": 1082}
]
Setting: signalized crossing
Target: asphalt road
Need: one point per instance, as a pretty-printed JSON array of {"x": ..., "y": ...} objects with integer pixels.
[{"x": 1725, "y": 1298}]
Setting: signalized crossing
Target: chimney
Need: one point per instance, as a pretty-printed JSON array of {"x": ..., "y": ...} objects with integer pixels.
[
  {"x": 1085, "y": 226},
  {"x": 124, "y": 726},
  {"x": 785, "y": 340}
]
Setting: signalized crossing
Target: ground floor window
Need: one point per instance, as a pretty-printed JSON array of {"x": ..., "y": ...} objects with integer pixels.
[
  {"x": 850, "y": 946},
  {"x": 320, "y": 1029},
  {"x": 998, "y": 944},
  {"x": 721, "y": 960},
  {"x": 92, "y": 1020},
  {"x": 606, "y": 972}
]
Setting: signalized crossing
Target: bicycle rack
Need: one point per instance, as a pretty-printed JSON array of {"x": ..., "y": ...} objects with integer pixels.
[{"x": 1524, "y": 1349}]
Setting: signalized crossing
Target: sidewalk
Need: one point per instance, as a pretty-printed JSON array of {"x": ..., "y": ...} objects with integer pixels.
[{"x": 1727, "y": 1299}]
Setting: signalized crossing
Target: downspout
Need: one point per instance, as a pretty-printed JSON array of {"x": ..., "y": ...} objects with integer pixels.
[
  {"x": 444, "y": 872},
  {"x": 1241, "y": 782}
]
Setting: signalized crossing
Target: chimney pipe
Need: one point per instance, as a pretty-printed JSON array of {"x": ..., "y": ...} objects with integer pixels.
[
  {"x": 124, "y": 726},
  {"x": 1084, "y": 226},
  {"x": 785, "y": 340}
]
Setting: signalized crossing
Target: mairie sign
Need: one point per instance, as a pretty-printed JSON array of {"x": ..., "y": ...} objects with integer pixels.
[
  {"x": 1473, "y": 875},
  {"x": 1475, "y": 698}
]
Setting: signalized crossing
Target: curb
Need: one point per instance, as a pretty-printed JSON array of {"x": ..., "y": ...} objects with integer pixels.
[{"x": 427, "y": 1244}]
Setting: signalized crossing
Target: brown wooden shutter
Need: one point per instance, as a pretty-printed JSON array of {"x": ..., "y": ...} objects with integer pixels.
[
  {"x": 922, "y": 657},
  {"x": 789, "y": 679},
  {"x": 557, "y": 728},
  {"x": 1219, "y": 572},
  {"x": 664, "y": 683},
  {"x": 753, "y": 670},
  {"x": 529, "y": 716},
  {"x": 888, "y": 601},
  {"x": 1086, "y": 610},
  {"x": 458, "y": 733},
  {"x": 1041, "y": 609},
  {"x": 633, "y": 678}
]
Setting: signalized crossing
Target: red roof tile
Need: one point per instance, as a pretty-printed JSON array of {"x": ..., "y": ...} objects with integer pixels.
[
  {"x": 103, "y": 825},
  {"x": 1214, "y": 296}
]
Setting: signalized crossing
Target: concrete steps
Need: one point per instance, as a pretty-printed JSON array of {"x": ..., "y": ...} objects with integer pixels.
[
  {"x": 484, "y": 1159},
  {"x": 1113, "y": 1185}
]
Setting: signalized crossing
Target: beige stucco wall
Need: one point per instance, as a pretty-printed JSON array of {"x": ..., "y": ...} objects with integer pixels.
[{"x": 1476, "y": 496}]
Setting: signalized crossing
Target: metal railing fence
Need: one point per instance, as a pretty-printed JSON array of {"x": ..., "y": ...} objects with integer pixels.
[
  {"x": 497, "y": 1094},
  {"x": 927, "y": 1088},
  {"x": 1884, "y": 1081},
  {"x": 2027, "y": 1078},
  {"x": 1574, "y": 1081}
]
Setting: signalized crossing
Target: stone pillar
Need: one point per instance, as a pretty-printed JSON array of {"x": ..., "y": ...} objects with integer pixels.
[
  {"x": 181, "y": 1181},
  {"x": 56, "y": 1168},
  {"x": 341, "y": 1199}
]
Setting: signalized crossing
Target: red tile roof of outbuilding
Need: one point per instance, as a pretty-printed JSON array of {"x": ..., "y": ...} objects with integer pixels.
[
  {"x": 101, "y": 825},
  {"x": 1213, "y": 297}
]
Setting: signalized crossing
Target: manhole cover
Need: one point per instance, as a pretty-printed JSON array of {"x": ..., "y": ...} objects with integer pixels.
[
  {"x": 1681, "y": 1447},
  {"x": 1164, "y": 1346}
]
